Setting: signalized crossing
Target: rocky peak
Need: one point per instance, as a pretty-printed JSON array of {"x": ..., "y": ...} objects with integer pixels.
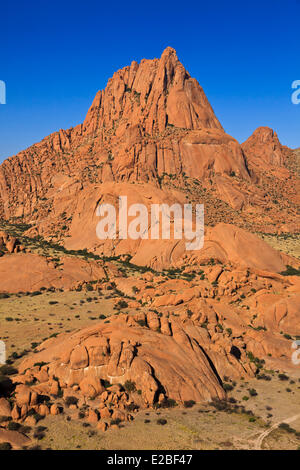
[
  {"x": 153, "y": 95},
  {"x": 264, "y": 148}
]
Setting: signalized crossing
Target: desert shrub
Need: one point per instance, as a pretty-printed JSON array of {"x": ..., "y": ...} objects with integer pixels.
[
  {"x": 40, "y": 364},
  {"x": 13, "y": 426},
  {"x": 3, "y": 295},
  {"x": 25, "y": 429},
  {"x": 286, "y": 427},
  {"x": 168, "y": 403},
  {"x": 220, "y": 405},
  {"x": 122, "y": 304},
  {"x": 131, "y": 407},
  {"x": 268, "y": 378},
  {"x": 39, "y": 435},
  {"x": 105, "y": 383},
  {"x": 115, "y": 421},
  {"x": 71, "y": 400},
  {"x": 5, "y": 446},
  {"x": 41, "y": 428},
  {"x": 283, "y": 377},
  {"x": 189, "y": 403},
  {"x": 129, "y": 386},
  {"x": 37, "y": 292},
  {"x": 142, "y": 323},
  {"x": 258, "y": 362},
  {"x": 161, "y": 421},
  {"x": 227, "y": 387},
  {"x": 253, "y": 392},
  {"x": 290, "y": 271}
]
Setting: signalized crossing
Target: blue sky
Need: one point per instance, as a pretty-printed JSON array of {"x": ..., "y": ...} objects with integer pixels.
[{"x": 56, "y": 55}]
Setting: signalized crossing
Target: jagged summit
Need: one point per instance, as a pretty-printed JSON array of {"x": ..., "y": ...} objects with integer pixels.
[
  {"x": 151, "y": 124},
  {"x": 153, "y": 94}
]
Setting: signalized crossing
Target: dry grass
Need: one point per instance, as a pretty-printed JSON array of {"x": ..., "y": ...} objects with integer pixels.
[
  {"x": 25, "y": 319},
  {"x": 289, "y": 244}
]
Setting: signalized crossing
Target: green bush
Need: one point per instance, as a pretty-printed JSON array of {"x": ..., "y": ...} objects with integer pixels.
[
  {"x": 162, "y": 421},
  {"x": 189, "y": 403},
  {"x": 13, "y": 426},
  {"x": 130, "y": 386},
  {"x": 227, "y": 387},
  {"x": 5, "y": 446},
  {"x": 290, "y": 271},
  {"x": 71, "y": 400},
  {"x": 3, "y": 295},
  {"x": 122, "y": 304}
]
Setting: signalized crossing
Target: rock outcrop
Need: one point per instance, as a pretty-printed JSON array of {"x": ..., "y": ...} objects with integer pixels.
[
  {"x": 28, "y": 272},
  {"x": 264, "y": 149},
  {"x": 168, "y": 361},
  {"x": 152, "y": 124}
]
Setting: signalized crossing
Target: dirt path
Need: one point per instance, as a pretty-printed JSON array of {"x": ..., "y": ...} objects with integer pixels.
[{"x": 258, "y": 442}]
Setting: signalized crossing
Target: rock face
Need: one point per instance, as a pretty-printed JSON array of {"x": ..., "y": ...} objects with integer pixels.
[
  {"x": 224, "y": 242},
  {"x": 27, "y": 272},
  {"x": 264, "y": 149},
  {"x": 152, "y": 124},
  {"x": 119, "y": 138},
  {"x": 153, "y": 94},
  {"x": 152, "y": 119},
  {"x": 9, "y": 244}
]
